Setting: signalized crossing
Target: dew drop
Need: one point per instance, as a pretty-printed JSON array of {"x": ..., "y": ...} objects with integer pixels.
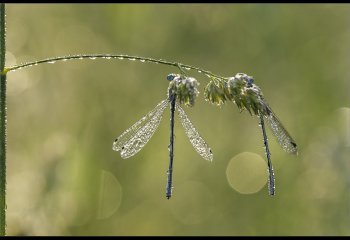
[
  {"x": 108, "y": 57},
  {"x": 199, "y": 71},
  {"x": 121, "y": 58},
  {"x": 187, "y": 68},
  {"x": 51, "y": 62},
  {"x": 132, "y": 59},
  {"x": 92, "y": 58},
  {"x": 142, "y": 60}
]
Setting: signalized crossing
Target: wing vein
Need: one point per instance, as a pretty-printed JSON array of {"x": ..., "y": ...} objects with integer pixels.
[
  {"x": 195, "y": 138},
  {"x": 283, "y": 137},
  {"x": 132, "y": 140}
]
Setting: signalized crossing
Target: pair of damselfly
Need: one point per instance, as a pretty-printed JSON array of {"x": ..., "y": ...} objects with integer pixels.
[{"x": 183, "y": 90}]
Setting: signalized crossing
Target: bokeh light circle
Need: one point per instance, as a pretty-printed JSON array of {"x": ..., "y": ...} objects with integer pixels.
[
  {"x": 110, "y": 195},
  {"x": 247, "y": 173},
  {"x": 344, "y": 124}
]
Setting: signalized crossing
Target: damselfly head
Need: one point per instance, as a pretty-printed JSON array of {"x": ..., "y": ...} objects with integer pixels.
[
  {"x": 184, "y": 88},
  {"x": 238, "y": 83},
  {"x": 245, "y": 94}
]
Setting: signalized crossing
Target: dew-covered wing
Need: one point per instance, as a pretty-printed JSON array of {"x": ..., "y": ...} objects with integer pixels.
[
  {"x": 195, "y": 138},
  {"x": 135, "y": 138},
  {"x": 283, "y": 137}
]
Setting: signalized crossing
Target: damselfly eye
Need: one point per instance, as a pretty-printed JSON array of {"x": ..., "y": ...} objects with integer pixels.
[
  {"x": 250, "y": 81},
  {"x": 171, "y": 76}
]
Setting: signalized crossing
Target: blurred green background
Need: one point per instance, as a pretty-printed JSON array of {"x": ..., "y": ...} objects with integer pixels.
[{"x": 63, "y": 178}]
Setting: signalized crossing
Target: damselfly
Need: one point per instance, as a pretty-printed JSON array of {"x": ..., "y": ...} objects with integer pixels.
[
  {"x": 181, "y": 90},
  {"x": 246, "y": 95}
]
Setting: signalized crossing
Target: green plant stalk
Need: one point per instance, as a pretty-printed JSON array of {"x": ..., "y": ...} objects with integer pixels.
[
  {"x": 2, "y": 154},
  {"x": 114, "y": 56},
  {"x": 2, "y": 123}
]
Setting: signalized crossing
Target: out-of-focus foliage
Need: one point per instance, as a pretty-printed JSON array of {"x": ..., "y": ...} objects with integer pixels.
[{"x": 64, "y": 178}]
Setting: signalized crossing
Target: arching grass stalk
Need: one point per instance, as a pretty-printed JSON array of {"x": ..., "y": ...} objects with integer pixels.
[
  {"x": 115, "y": 56},
  {"x": 239, "y": 89},
  {"x": 2, "y": 123}
]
